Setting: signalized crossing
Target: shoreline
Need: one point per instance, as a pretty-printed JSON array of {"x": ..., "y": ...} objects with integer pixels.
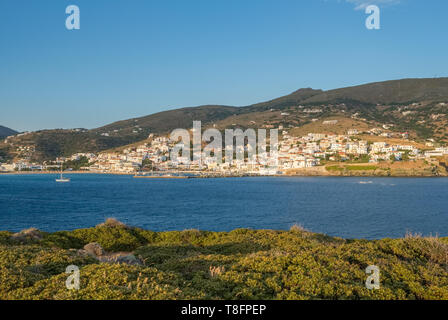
[
  {"x": 301, "y": 174},
  {"x": 21, "y": 173}
]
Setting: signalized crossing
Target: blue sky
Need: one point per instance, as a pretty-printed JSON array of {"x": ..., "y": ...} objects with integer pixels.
[{"x": 134, "y": 58}]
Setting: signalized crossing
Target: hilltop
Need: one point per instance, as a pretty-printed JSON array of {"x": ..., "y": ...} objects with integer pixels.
[
  {"x": 241, "y": 264},
  {"x": 417, "y": 106}
]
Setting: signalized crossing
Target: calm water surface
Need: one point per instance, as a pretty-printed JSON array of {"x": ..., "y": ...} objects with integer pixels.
[{"x": 346, "y": 207}]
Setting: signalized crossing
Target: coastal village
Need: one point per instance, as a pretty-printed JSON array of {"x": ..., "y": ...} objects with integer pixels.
[{"x": 294, "y": 152}]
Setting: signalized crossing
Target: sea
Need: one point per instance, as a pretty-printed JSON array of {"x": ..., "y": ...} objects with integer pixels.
[{"x": 370, "y": 208}]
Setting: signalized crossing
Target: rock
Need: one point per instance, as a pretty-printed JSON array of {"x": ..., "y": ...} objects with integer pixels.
[
  {"x": 94, "y": 249},
  {"x": 32, "y": 234}
]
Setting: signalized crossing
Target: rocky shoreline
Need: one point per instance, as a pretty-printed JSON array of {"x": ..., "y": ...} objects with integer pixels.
[{"x": 308, "y": 172}]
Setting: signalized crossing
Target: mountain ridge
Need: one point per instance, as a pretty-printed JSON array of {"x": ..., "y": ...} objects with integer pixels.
[
  {"x": 409, "y": 90},
  {"x": 5, "y": 132},
  {"x": 378, "y": 101}
]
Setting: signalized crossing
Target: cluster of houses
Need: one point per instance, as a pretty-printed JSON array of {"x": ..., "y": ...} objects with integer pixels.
[
  {"x": 293, "y": 152},
  {"x": 310, "y": 150}
]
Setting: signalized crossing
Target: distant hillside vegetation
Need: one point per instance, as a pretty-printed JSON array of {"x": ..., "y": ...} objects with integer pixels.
[
  {"x": 166, "y": 121},
  {"x": 388, "y": 92},
  {"x": 292, "y": 99}
]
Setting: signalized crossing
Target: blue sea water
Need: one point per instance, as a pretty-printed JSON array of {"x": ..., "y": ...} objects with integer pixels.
[{"x": 347, "y": 207}]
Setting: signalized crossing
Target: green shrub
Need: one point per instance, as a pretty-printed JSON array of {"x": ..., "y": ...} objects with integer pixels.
[
  {"x": 334, "y": 168},
  {"x": 241, "y": 264},
  {"x": 110, "y": 238}
]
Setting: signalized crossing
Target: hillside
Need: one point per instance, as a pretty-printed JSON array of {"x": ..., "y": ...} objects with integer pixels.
[
  {"x": 241, "y": 264},
  {"x": 418, "y": 106},
  {"x": 388, "y": 92},
  {"x": 166, "y": 121},
  {"x": 5, "y": 132},
  {"x": 289, "y": 100}
]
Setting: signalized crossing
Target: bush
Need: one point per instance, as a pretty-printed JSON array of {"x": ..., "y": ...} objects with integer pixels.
[
  {"x": 241, "y": 264},
  {"x": 112, "y": 223}
]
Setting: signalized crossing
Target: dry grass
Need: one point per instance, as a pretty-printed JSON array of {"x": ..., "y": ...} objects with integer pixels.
[
  {"x": 432, "y": 247},
  {"x": 216, "y": 271},
  {"x": 296, "y": 227},
  {"x": 112, "y": 223}
]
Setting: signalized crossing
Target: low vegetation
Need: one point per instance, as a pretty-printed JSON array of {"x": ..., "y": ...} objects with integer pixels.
[
  {"x": 366, "y": 168},
  {"x": 241, "y": 264}
]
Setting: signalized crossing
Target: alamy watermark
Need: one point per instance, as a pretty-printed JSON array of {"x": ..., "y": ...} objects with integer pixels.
[
  {"x": 373, "y": 20},
  {"x": 373, "y": 280},
  {"x": 73, "y": 21},
  {"x": 72, "y": 282}
]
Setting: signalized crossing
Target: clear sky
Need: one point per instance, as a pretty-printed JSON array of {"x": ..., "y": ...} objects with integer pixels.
[{"x": 136, "y": 57}]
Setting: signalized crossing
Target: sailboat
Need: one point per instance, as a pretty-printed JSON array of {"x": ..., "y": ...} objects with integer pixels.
[{"x": 62, "y": 179}]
